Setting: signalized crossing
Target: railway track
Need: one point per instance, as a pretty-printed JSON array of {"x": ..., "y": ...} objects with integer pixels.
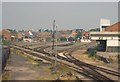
[
  {"x": 89, "y": 65},
  {"x": 70, "y": 50},
  {"x": 52, "y": 59},
  {"x": 89, "y": 70},
  {"x": 78, "y": 64}
]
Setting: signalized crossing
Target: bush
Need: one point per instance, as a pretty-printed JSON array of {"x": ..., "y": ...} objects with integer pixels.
[
  {"x": 6, "y": 42},
  {"x": 71, "y": 39},
  {"x": 92, "y": 52},
  {"x": 63, "y": 39}
]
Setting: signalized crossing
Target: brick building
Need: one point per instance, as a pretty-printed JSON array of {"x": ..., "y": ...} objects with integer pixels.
[
  {"x": 6, "y": 35},
  {"x": 44, "y": 36},
  {"x": 85, "y": 37},
  {"x": 108, "y": 38},
  {"x": 20, "y": 36},
  {"x": 113, "y": 28}
]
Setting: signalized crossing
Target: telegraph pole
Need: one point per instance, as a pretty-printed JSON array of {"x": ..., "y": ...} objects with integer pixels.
[
  {"x": 54, "y": 48},
  {"x": 53, "y": 36}
]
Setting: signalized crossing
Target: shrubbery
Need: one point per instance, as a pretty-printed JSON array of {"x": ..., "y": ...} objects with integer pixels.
[
  {"x": 92, "y": 52},
  {"x": 6, "y": 42},
  {"x": 63, "y": 39}
]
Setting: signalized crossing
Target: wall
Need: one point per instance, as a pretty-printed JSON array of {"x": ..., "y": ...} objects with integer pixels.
[
  {"x": 85, "y": 40},
  {"x": 27, "y": 40},
  {"x": 104, "y": 22},
  {"x": 113, "y": 43},
  {"x": 104, "y": 38}
]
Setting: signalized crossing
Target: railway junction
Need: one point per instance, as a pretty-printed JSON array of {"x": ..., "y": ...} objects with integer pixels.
[{"x": 37, "y": 61}]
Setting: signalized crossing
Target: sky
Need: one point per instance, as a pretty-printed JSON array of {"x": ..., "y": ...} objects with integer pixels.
[
  {"x": 68, "y": 15},
  {"x": 60, "y": 0}
]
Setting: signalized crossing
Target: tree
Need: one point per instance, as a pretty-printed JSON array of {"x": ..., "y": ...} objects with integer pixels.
[
  {"x": 21, "y": 30},
  {"x": 40, "y": 30},
  {"x": 47, "y": 30},
  {"x": 71, "y": 39},
  {"x": 96, "y": 29},
  {"x": 63, "y": 39},
  {"x": 13, "y": 31},
  {"x": 78, "y": 35}
]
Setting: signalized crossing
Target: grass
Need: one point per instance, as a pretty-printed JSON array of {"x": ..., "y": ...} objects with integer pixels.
[
  {"x": 30, "y": 59},
  {"x": 5, "y": 75},
  {"x": 6, "y": 42},
  {"x": 60, "y": 70}
]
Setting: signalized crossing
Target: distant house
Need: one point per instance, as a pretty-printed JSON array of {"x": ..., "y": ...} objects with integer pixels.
[
  {"x": 85, "y": 37},
  {"x": 9, "y": 35},
  {"x": 20, "y": 36},
  {"x": 73, "y": 34},
  {"x": 6, "y": 35},
  {"x": 28, "y": 36},
  {"x": 65, "y": 35},
  {"x": 44, "y": 36}
]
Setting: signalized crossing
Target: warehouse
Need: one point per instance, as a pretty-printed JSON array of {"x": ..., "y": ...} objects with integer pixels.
[{"x": 108, "y": 38}]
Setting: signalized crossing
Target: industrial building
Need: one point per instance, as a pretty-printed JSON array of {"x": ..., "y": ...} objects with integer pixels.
[{"x": 109, "y": 36}]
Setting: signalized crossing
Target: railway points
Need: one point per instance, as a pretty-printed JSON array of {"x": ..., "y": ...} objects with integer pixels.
[{"x": 67, "y": 59}]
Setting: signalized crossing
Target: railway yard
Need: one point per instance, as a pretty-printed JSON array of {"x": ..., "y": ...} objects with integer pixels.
[{"x": 67, "y": 61}]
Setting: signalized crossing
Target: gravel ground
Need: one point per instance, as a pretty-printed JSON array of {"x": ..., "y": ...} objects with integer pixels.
[
  {"x": 19, "y": 67},
  {"x": 80, "y": 55}
]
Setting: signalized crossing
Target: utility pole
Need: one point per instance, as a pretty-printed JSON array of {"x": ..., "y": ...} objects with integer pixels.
[
  {"x": 53, "y": 35},
  {"x": 54, "y": 48}
]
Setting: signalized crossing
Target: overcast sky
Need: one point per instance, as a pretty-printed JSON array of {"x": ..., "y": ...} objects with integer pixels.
[{"x": 68, "y": 15}]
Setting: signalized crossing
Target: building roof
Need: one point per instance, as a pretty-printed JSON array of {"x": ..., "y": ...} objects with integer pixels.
[
  {"x": 5, "y": 30},
  {"x": 113, "y": 28},
  {"x": 44, "y": 34}
]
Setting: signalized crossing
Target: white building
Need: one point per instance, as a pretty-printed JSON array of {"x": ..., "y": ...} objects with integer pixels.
[
  {"x": 28, "y": 36},
  {"x": 103, "y": 24}
]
